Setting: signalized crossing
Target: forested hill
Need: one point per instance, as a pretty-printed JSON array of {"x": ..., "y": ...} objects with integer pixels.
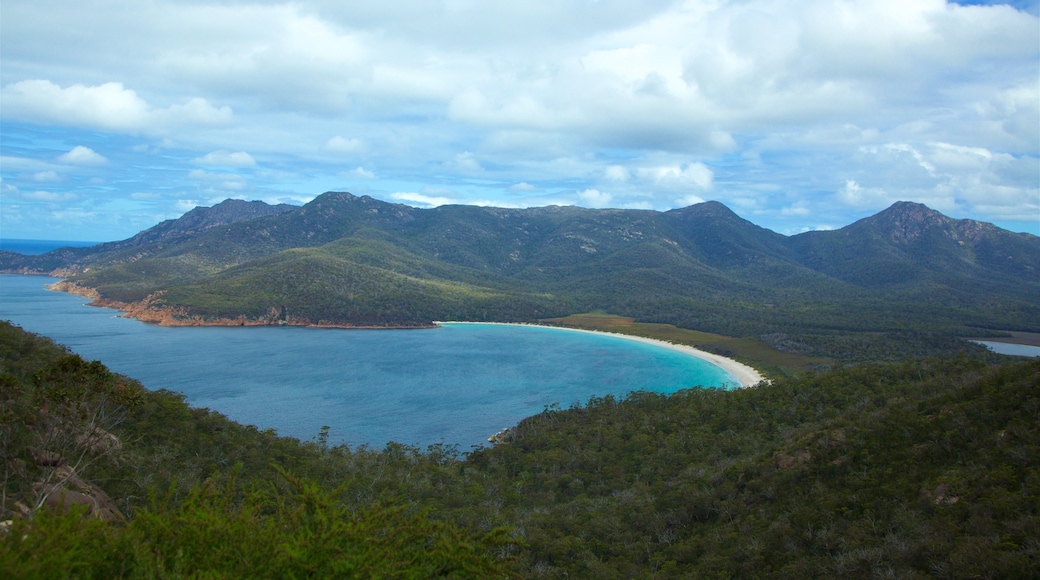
[
  {"x": 909, "y": 470},
  {"x": 348, "y": 260}
]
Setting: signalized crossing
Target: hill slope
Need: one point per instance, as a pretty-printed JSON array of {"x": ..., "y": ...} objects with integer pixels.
[
  {"x": 914, "y": 469},
  {"x": 350, "y": 260}
]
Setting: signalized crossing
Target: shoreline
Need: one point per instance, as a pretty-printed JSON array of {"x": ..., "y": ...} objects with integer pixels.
[{"x": 746, "y": 375}]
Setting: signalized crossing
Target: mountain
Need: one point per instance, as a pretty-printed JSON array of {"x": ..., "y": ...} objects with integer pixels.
[
  {"x": 348, "y": 260},
  {"x": 201, "y": 219},
  {"x": 909, "y": 242},
  {"x": 194, "y": 222}
]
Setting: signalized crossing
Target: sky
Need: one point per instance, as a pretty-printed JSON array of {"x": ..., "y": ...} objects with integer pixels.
[{"x": 797, "y": 114}]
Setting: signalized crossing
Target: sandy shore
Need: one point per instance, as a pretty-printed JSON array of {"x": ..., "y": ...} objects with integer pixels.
[{"x": 747, "y": 376}]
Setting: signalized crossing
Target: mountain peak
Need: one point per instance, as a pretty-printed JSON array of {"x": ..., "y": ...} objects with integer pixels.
[
  {"x": 906, "y": 221},
  {"x": 706, "y": 209}
]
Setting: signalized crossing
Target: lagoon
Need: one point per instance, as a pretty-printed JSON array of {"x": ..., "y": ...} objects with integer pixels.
[
  {"x": 1010, "y": 348},
  {"x": 456, "y": 384}
]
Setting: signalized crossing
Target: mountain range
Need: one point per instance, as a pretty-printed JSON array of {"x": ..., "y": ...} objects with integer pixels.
[{"x": 356, "y": 261}]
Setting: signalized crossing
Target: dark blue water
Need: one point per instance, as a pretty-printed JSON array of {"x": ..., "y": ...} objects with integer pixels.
[
  {"x": 37, "y": 247},
  {"x": 456, "y": 384}
]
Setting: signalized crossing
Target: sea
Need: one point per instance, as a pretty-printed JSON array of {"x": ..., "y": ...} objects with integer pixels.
[
  {"x": 453, "y": 385},
  {"x": 37, "y": 247},
  {"x": 1011, "y": 348}
]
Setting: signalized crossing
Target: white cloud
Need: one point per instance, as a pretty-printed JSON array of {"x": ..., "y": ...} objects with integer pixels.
[
  {"x": 225, "y": 158},
  {"x": 800, "y": 208},
  {"x": 422, "y": 199},
  {"x": 80, "y": 155},
  {"x": 854, "y": 195},
  {"x": 523, "y": 187},
  {"x": 689, "y": 200},
  {"x": 185, "y": 205},
  {"x": 218, "y": 181},
  {"x": 108, "y": 106},
  {"x": 616, "y": 173},
  {"x": 46, "y": 176},
  {"x": 595, "y": 198},
  {"x": 465, "y": 162},
  {"x": 362, "y": 173},
  {"x": 658, "y": 102},
  {"x": 343, "y": 145},
  {"x": 691, "y": 175}
]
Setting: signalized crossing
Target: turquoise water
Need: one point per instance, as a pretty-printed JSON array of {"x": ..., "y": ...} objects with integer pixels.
[{"x": 456, "y": 384}]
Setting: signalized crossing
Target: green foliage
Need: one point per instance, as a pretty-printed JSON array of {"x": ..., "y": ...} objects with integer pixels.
[
  {"x": 912, "y": 469},
  {"x": 63, "y": 544},
  {"x": 55, "y": 421},
  {"x": 309, "y": 532},
  {"x": 230, "y": 533}
]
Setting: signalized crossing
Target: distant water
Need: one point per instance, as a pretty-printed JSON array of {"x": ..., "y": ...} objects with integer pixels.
[
  {"x": 1011, "y": 349},
  {"x": 37, "y": 247},
  {"x": 456, "y": 384}
]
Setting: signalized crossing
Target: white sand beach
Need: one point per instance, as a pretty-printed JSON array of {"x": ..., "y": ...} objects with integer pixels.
[{"x": 746, "y": 375}]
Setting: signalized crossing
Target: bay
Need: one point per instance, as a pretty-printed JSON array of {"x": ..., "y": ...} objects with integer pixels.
[
  {"x": 1010, "y": 348},
  {"x": 455, "y": 385}
]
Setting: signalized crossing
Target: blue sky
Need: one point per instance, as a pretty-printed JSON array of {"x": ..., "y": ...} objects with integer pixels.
[{"x": 798, "y": 115}]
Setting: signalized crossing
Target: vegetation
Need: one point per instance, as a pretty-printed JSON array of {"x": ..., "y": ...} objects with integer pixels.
[
  {"x": 912, "y": 469},
  {"x": 907, "y": 275},
  {"x": 867, "y": 455}
]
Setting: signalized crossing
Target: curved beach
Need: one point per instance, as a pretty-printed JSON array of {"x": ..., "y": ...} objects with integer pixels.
[{"x": 745, "y": 375}]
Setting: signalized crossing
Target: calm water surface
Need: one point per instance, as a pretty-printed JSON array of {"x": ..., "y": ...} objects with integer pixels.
[
  {"x": 1010, "y": 348},
  {"x": 456, "y": 384}
]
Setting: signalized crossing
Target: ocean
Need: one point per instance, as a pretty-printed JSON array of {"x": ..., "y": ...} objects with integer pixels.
[
  {"x": 456, "y": 384},
  {"x": 37, "y": 247}
]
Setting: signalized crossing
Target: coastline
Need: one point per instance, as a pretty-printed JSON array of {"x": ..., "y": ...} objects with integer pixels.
[
  {"x": 144, "y": 311},
  {"x": 147, "y": 312},
  {"x": 747, "y": 376}
]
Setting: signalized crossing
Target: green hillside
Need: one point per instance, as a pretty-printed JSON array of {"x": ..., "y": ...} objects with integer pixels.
[
  {"x": 914, "y": 469},
  {"x": 907, "y": 272}
]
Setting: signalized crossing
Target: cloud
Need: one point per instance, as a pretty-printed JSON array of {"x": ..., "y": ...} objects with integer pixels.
[
  {"x": 690, "y": 175},
  {"x": 361, "y": 173},
  {"x": 595, "y": 198},
  {"x": 799, "y": 208},
  {"x": 342, "y": 145},
  {"x": 46, "y": 176},
  {"x": 689, "y": 200},
  {"x": 854, "y": 195},
  {"x": 218, "y": 181},
  {"x": 773, "y": 108},
  {"x": 465, "y": 162},
  {"x": 80, "y": 155},
  {"x": 616, "y": 173},
  {"x": 523, "y": 187},
  {"x": 184, "y": 205},
  {"x": 422, "y": 199},
  {"x": 225, "y": 158},
  {"x": 108, "y": 106},
  {"x": 50, "y": 196}
]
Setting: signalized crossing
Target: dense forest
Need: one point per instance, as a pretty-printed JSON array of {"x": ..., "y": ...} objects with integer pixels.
[{"x": 917, "y": 468}]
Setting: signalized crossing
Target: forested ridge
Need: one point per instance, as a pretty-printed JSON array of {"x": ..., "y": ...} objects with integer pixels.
[
  {"x": 908, "y": 272},
  {"x": 919, "y": 468}
]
